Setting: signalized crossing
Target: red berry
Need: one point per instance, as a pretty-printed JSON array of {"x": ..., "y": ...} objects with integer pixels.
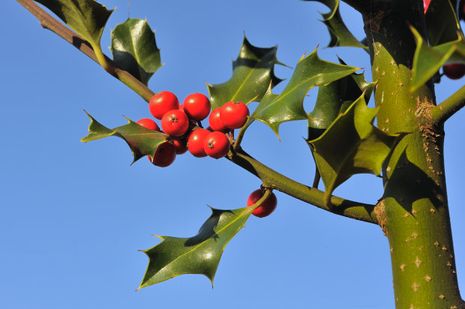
[
  {"x": 195, "y": 142},
  {"x": 197, "y": 106},
  {"x": 426, "y": 4},
  {"x": 234, "y": 114},
  {"x": 164, "y": 155},
  {"x": 454, "y": 70},
  {"x": 267, "y": 206},
  {"x": 216, "y": 124},
  {"x": 216, "y": 144},
  {"x": 180, "y": 145},
  {"x": 175, "y": 122},
  {"x": 148, "y": 124},
  {"x": 162, "y": 103}
]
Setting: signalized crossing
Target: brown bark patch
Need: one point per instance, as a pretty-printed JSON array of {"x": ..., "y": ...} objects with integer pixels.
[{"x": 380, "y": 214}]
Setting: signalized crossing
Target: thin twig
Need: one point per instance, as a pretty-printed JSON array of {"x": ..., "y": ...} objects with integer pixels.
[
  {"x": 274, "y": 180},
  {"x": 449, "y": 106},
  {"x": 50, "y": 23}
]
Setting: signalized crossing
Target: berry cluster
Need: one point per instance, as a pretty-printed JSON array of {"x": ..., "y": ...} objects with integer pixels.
[{"x": 183, "y": 125}]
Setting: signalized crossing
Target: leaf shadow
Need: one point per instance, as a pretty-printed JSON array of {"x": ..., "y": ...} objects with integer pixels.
[
  {"x": 207, "y": 230},
  {"x": 408, "y": 183},
  {"x": 127, "y": 62}
]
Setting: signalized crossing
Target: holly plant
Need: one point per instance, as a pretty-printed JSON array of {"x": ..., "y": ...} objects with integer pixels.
[{"x": 412, "y": 45}]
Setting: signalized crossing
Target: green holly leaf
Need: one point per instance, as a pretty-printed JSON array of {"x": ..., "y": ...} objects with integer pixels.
[
  {"x": 334, "y": 98},
  {"x": 86, "y": 17},
  {"x": 340, "y": 34},
  {"x": 310, "y": 71},
  {"x": 142, "y": 141},
  {"x": 199, "y": 254},
  {"x": 441, "y": 22},
  {"x": 135, "y": 50},
  {"x": 351, "y": 145},
  {"x": 253, "y": 73},
  {"x": 429, "y": 59}
]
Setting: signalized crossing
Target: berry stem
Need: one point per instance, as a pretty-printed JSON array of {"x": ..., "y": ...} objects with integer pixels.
[
  {"x": 267, "y": 192},
  {"x": 241, "y": 133},
  {"x": 449, "y": 106},
  {"x": 274, "y": 180}
]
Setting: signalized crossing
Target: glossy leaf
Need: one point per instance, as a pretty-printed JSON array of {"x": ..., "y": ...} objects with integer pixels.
[
  {"x": 332, "y": 99},
  {"x": 351, "y": 145},
  {"x": 310, "y": 71},
  {"x": 253, "y": 73},
  {"x": 340, "y": 34},
  {"x": 135, "y": 50},
  {"x": 428, "y": 60},
  {"x": 199, "y": 254},
  {"x": 142, "y": 141},
  {"x": 86, "y": 17}
]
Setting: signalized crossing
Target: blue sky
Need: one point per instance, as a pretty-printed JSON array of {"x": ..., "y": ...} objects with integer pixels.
[{"x": 73, "y": 215}]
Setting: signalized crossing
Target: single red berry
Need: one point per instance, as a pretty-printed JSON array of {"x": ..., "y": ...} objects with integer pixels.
[
  {"x": 216, "y": 144},
  {"x": 234, "y": 114},
  {"x": 267, "y": 206},
  {"x": 454, "y": 70},
  {"x": 195, "y": 142},
  {"x": 216, "y": 124},
  {"x": 175, "y": 122},
  {"x": 180, "y": 145},
  {"x": 148, "y": 124},
  {"x": 426, "y": 4},
  {"x": 164, "y": 155},
  {"x": 197, "y": 106},
  {"x": 163, "y": 102}
]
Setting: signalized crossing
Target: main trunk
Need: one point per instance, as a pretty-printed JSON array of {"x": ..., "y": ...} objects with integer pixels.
[{"x": 413, "y": 211}]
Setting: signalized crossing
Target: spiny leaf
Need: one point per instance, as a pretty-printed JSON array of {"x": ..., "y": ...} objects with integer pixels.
[
  {"x": 86, "y": 17},
  {"x": 135, "y": 50},
  {"x": 340, "y": 34},
  {"x": 333, "y": 6},
  {"x": 310, "y": 71},
  {"x": 428, "y": 60},
  {"x": 334, "y": 98},
  {"x": 142, "y": 141},
  {"x": 199, "y": 254},
  {"x": 351, "y": 145},
  {"x": 253, "y": 72}
]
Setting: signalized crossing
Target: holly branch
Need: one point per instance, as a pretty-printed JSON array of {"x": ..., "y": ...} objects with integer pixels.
[{"x": 269, "y": 177}]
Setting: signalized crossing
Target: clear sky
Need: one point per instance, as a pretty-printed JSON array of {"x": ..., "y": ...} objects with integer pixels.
[{"x": 73, "y": 215}]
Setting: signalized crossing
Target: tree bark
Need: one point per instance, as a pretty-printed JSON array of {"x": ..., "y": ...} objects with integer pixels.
[{"x": 413, "y": 211}]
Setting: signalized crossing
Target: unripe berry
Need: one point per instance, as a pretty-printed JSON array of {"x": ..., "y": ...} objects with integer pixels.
[
  {"x": 267, "y": 206},
  {"x": 163, "y": 102}
]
